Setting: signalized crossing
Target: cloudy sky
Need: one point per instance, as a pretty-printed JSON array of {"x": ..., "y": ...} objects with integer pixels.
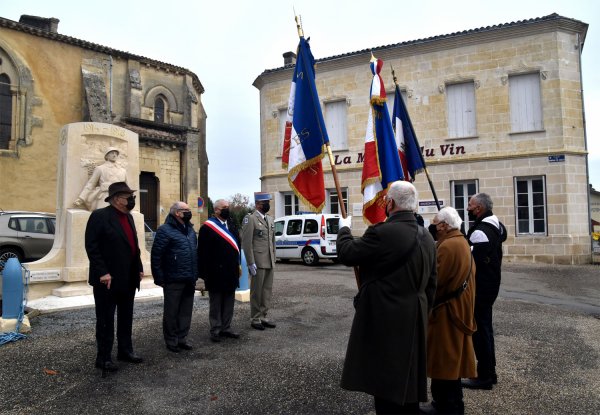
[{"x": 229, "y": 43}]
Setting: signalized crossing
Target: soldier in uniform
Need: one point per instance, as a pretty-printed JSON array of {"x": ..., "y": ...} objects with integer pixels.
[{"x": 258, "y": 243}]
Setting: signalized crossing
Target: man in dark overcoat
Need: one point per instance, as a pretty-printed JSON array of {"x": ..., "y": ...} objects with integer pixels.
[
  {"x": 219, "y": 267},
  {"x": 115, "y": 272},
  {"x": 386, "y": 355}
]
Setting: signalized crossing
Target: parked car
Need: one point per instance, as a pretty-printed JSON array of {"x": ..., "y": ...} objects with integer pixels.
[
  {"x": 24, "y": 235},
  {"x": 309, "y": 237}
]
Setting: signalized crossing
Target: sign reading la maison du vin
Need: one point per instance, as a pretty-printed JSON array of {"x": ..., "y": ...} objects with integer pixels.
[{"x": 443, "y": 150}]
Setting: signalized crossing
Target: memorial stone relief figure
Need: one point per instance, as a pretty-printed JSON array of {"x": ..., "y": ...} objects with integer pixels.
[{"x": 96, "y": 189}]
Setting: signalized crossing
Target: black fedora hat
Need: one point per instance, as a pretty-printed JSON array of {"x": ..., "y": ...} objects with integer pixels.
[{"x": 116, "y": 188}]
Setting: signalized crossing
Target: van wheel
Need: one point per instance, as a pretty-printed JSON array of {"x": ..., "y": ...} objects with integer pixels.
[{"x": 309, "y": 256}]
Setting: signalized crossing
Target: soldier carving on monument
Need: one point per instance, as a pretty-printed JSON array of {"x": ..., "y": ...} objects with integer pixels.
[{"x": 96, "y": 189}]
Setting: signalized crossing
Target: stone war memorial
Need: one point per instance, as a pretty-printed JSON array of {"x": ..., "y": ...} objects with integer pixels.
[{"x": 91, "y": 156}]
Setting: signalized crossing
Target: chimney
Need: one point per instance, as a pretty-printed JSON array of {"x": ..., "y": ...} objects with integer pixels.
[
  {"x": 289, "y": 58},
  {"x": 47, "y": 24}
]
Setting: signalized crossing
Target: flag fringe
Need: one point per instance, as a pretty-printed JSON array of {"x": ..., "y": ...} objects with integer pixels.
[{"x": 377, "y": 100}]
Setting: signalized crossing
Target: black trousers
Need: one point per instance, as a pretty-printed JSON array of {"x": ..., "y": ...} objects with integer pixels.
[
  {"x": 483, "y": 338},
  {"x": 220, "y": 311},
  {"x": 107, "y": 301},
  {"x": 177, "y": 314},
  {"x": 383, "y": 406},
  {"x": 447, "y": 396}
]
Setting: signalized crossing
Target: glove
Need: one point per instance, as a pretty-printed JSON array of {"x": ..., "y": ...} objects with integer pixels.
[
  {"x": 252, "y": 269},
  {"x": 346, "y": 222}
]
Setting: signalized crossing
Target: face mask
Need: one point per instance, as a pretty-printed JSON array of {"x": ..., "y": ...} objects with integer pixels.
[
  {"x": 433, "y": 231},
  {"x": 224, "y": 213},
  {"x": 130, "y": 202},
  {"x": 266, "y": 207},
  {"x": 187, "y": 216},
  {"x": 472, "y": 216}
]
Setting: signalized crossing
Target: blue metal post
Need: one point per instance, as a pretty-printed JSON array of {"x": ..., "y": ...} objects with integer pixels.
[
  {"x": 244, "y": 278},
  {"x": 12, "y": 289}
]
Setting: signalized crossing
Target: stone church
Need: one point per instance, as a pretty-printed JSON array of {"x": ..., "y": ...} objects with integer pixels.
[{"x": 48, "y": 80}]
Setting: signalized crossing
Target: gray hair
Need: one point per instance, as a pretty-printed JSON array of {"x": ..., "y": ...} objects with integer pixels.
[
  {"x": 404, "y": 194},
  {"x": 219, "y": 203},
  {"x": 176, "y": 206},
  {"x": 484, "y": 200},
  {"x": 450, "y": 216}
]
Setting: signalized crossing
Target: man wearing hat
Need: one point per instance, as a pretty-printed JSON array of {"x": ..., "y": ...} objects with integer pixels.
[
  {"x": 258, "y": 243},
  {"x": 115, "y": 273}
]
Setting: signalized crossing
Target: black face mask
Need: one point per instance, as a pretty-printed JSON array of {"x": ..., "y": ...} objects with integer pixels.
[
  {"x": 187, "y": 216},
  {"x": 472, "y": 216},
  {"x": 433, "y": 231},
  {"x": 265, "y": 207},
  {"x": 130, "y": 202},
  {"x": 225, "y": 214}
]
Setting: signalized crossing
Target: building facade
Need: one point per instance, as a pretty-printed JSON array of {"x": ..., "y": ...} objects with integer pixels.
[
  {"x": 496, "y": 110},
  {"x": 48, "y": 80}
]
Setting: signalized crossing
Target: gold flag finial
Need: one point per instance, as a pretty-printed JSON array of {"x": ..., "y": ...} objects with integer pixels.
[
  {"x": 373, "y": 58},
  {"x": 299, "y": 24},
  {"x": 394, "y": 76}
]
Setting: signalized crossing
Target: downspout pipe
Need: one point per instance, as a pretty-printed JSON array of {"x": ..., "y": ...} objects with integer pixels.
[{"x": 587, "y": 168}]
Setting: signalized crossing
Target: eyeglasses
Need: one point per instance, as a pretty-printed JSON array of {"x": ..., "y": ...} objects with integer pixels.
[{"x": 183, "y": 210}]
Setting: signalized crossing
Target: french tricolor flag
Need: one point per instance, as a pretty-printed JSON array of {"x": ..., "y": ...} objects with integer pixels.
[
  {"x": 305, "y": 134},
  {"x": 381, "y": 160}
]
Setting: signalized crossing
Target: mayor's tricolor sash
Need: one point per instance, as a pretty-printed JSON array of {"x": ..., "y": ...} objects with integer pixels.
[{"x": 223, "y": 233}]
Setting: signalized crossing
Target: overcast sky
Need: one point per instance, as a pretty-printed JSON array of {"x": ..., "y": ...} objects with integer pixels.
[{"x": 229, "y": 43}]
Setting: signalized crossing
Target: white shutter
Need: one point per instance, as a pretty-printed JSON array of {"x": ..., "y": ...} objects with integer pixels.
[
  {"x": 460, "y": 99},
  {"x": 525, "y": 103},
  {"x": 335, "y": 122}
]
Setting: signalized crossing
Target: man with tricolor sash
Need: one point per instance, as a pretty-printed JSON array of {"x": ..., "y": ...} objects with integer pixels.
[{"x": 219, "y": 267}]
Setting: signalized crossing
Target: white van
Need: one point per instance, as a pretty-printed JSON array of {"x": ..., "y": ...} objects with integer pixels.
[{"x": 308, "y": 236}]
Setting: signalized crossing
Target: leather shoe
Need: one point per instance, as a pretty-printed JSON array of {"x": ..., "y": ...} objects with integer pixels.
[
  {"x": 215, "y": 337},
  {"x": 107, "y": 366},
  {"x": 174, "y": 349},
  {"x": 185, "y": 346},
  {"x": 230, "y": 334},
  {"x": 268, "y": 324},
  {"x": 130, "y": 357},
  {"x": 477, "y": 383},
  {"x": 428, "y": 408},
  {"x": 257, "y": 326}
]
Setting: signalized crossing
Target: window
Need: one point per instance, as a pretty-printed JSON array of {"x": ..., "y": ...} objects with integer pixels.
[
  {"x": 460, "y": 102},
  {"x": 390, "y": 101},
  {"x": 5, "y": 112},
  {"x": 159, "y": 110},
  {"x": 525, "y": 103},
  {"x": 294, "y": 227},
  {"x": 333, "y": 225},
  {"x": 530, "y": 200},
  {"x": 279, "y": 228},
  {"x": 461, "y": 193},
  {"x": 290, "y": 203},
  {"x": 311, "y": 226},
  {"x": 335, "y": 121},
  {"x": 334, "y": 206}
]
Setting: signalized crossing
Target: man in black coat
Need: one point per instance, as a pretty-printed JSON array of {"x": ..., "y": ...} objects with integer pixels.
[
  {"x": 386, "y": 355},
  {"x": 486, "y": 237},
  {"x": 219, "y": 267},
  {"x": 115, "y": 272},
  {"x": 175, "y": 268}
]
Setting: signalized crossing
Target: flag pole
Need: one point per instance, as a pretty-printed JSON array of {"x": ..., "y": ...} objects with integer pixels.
[
  {"x": 437, "y": 203},
  {"x": 341, "y": 203}
]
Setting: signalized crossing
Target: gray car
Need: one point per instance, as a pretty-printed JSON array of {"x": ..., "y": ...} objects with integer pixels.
[{"x": 25, "y": 235}]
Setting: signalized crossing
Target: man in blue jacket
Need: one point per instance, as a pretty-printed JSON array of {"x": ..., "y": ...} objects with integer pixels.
[{"x": 175, "y": 268}]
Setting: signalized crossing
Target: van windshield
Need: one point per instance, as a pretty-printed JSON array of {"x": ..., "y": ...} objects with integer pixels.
[{"x": 333, "y": 226}]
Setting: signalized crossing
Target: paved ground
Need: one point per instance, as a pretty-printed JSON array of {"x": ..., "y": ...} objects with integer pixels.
[{"x": 547, "y": 336}]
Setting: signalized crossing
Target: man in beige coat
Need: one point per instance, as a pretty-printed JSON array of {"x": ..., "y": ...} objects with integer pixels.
[
  {"x": 258, "y": 243},
  {"x": 450, "y": 353}
]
